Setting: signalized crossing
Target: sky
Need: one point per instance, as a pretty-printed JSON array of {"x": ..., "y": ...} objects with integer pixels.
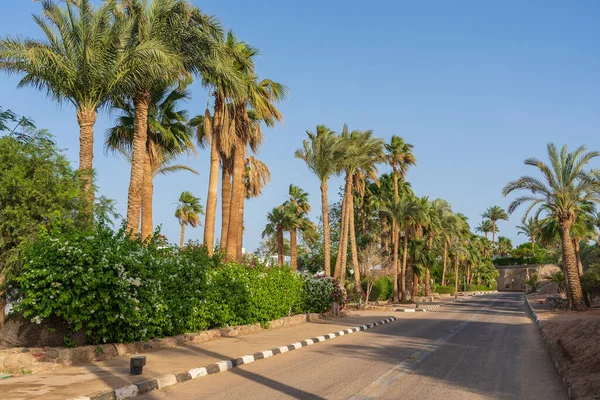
[{"x": 475, "y": 86}]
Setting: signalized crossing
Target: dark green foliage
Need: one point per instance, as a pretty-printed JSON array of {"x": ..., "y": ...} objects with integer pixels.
[
  {"x": 38, "y": 186},
  {"x": 548, "y": 259},
  {"x": 119, "y": 289},
  {"x": 591, "y": 280},
  {"x": 383, "y": 289},
  {"x": 480, "y": 288},
  {"x": 443, "y": 289}
]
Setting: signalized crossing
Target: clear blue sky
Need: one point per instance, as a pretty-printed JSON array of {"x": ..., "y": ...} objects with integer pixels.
[{"x": 476, "y": 86}]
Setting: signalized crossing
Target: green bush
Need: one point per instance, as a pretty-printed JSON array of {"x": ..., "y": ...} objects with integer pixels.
[
  {"x": 122, "y": 290},
  {"x": 316, "y": 294},
  {"x": 480, "y": 288},
  {"x": 546, "y": 259},
  {"x": 443, "y": 289},
  {"x": 382, "y": 290},
  {"x": 590, "y": 280}
]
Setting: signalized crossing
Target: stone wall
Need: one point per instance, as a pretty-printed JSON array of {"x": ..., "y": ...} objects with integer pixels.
[
  {"x": 514, "y": 277},
  {"x": 31, "y": 360}
]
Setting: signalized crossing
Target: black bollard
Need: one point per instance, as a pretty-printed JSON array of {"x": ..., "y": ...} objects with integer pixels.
[{"x": 136, "y": 365}]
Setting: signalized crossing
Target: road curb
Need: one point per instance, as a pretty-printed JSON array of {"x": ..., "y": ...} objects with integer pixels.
[
  {"x": 148, "y": 385},
  {"x": 538, "y": 321},
  {"x": 419, "y": 309}
]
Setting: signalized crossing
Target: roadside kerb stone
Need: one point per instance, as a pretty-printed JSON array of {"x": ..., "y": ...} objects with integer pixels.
[
  {"x": 538, "y": 321},
  {"x": 419, "y": 309},
  {"x": 148, "y": 385}
]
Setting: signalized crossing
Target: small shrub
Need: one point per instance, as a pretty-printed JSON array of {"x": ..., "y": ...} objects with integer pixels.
[
  {"x": 480, "y": 288},
  {"x": 533, "y": 282},
  {"x": 382, "y": 290},
  {"x": 317, "y": 293},
  {"x": 339, "y": 295},
  {"x": 443, "y": 289},
  {"x": 590, "y": 280}
]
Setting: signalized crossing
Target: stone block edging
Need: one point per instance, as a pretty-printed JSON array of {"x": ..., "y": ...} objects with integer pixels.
[
  {"x": 148, "y": 385},
  {"x": 46, "y": 358},
  {"x": 418, "y": 309},
  {"x": 561, "y": 373}
]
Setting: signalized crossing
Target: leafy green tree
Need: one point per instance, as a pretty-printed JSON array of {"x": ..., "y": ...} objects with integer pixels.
[
  {"x": 38, "y": 188},
  {"x": 565, "y": 191},
  {"x": 320, "y": 153},
  {"x": 494, "y": 214},
  {"x": 188, "y": 212}
]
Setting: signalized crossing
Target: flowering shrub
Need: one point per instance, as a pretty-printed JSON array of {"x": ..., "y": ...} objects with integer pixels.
[
  {"x": 339, "y": 295},
  {"x": 119, "y": 289},
  {"x": 317, "y": 293}
]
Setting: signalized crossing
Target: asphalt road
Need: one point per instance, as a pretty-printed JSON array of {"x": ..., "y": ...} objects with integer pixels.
[{"x": 478, "y": 348}]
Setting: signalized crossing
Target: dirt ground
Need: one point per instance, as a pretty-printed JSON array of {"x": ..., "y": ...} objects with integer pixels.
[
  {"x": 574, "y": 342},
  {"x": 19, "y": 332}
]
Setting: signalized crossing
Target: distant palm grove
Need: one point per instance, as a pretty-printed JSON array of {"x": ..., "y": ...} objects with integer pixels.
[{"x": 380, "y": 241}]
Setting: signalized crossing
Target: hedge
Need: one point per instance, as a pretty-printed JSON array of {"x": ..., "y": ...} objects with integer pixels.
[
  {"x": 121, "y": 290},
  {"x": 524, "y": 261},
  {"x": 443, "y": 289},
  {"x": 383, "y": 289}
]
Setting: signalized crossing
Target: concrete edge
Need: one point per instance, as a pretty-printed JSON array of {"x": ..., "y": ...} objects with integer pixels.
[
  {"x": 148, "y": 385},
  {"x": 538, "y": 321},
  {"x": 419, "y": 309}
]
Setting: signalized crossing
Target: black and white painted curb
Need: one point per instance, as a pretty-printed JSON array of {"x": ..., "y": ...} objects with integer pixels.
[
  {"x": 136, "y": 389},
  {"x": 538, "y": 321},
  {"x": 419, "y": 309}
]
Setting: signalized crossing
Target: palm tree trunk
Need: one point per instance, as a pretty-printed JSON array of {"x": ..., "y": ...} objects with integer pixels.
[
  {"x": 240, "y": 237},
  {"x": 237, "y": 192},
  {"x": 293, "y": 239},
  {"x": 213, "y": 179},
  {"x": 403, "y": 273},
  {"x": 182, "y": 237},
  {"x": 147, "y": 222},
  {"x": 570, "y": 261},
  {"x": 86, "y": 120},
  {"x": 533, "y": 247},
  {"x": 456, "y": 275},
  {"x": 384, "y": 233},
  {"x": 326, "y": 228},
  {"x": 395, "y": 267},
  {"x": 415, "y": 291},
  {"x": 3, "y": 303},
  {"x": 578, "y": 255},
  {"x": 444, "y": 263},
  {"x": 363, "y": 219},
  {"x": 493, "y": 231},
  {"x": 138, "y": 159},
  {"x": 340, "y": 263},
  {"x": 225, "y": 203},
  {"x": 427, "y": 282},
  {"x": 280, "y": 247},
  {"x": 352, "y": 230}
]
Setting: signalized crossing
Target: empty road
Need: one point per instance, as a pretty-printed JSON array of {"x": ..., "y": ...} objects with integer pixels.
[{"x": 484, "y": 347}]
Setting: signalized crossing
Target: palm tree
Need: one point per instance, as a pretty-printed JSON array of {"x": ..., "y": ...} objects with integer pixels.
[
  {"x": 486, "y": 226},
  {"x": 168, "y": 135},
  {"x": 566, "y": 188},
  {"x": 400, "y": 157},
  {"x": 257, "y": 176},
  {"x": 320, "y": 153},
  {"x": 188, "y": 212},
  {"x": 531, "y": 230},
  {"x": 298, "y": 206},
  {"x": 504, "y": 246},
  {"x": 83, "y": 61},
  {"x": 278, "y": 219},
  {"x": 224, "y": 86},
  {"x": 257, "y": 106},
  {"x": 151, "y": 30},
  {"x": 359, "y": 151},
  {"x": 494, "y": 214}
]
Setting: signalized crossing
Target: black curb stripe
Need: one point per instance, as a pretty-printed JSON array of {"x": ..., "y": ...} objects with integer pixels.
[
  {"x": 212, "y": 369},
  {"x": 276, "y": 351},
  {"x": 291, "y": 347},
  {"x": 147, "y": 386},
  {"x": 183, "y": 376},
  {"x": 258, "y": 356},
  {"x": 237, "y": 362}
]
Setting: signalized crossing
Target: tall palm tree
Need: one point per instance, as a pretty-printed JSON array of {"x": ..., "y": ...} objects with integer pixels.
[
  {"x": 400, "y": 157},
  {"x": 188, "y": 212},
  {"x": 168, "y": 135},
  {"x": 320, "y": 153},
  {"x": 494, "y": 214},
  {"x": 153, "y": 22},
  {"x": 224, "y": 85},
  {"x": 257, "y": 177},
  {"x": 360, "y": 151},
  {"x": 530, "y": 228},
  {"x": 486, "y": 226},
  {"x": 83, "y": 60},
  {"x": 258, "y": 106},
  {"x": 564, "y": 191},
  {"x": 278, "y": 219}
]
